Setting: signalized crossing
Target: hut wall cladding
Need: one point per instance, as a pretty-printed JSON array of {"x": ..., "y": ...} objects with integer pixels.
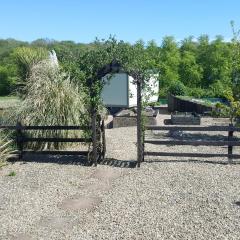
[{"x": 180, "y": 105}]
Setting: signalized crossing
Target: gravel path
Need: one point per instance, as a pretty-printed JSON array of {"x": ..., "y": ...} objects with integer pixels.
[{"x": 167, "y": 198}]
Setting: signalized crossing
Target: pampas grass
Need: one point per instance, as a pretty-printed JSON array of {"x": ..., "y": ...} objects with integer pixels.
[
  {"x": 51, "y": 99},
  {"x": 5, "y": 149}
]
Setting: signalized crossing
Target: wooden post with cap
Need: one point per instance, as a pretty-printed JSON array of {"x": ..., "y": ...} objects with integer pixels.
[{"x": 139, "y": 122}]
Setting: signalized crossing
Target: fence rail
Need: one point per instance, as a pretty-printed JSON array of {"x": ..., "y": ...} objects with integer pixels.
[
  {"x": 230, "y": 142},
  {"x": 56, "y": 152},
  {"x": 99, "y": 136},
  {"x": 55, "y": 140},
  {"x": 186, "y": 128},
  {"x": 22, "y": 127},
  {"x": 174, "y": 154},
  {"x": 194, "y": 143}
]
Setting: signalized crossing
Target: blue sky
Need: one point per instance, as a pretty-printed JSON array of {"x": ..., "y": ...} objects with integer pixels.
[{"x": 128, "y": 20}]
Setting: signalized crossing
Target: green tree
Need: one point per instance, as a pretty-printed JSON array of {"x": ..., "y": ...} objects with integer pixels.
[
  {"x": 169, "y": 65},
  {"x": 154, "y": 55},
  {"x": 220, "y": 61},
  {"x": 177, "y": 88},
  {"x": 235, "y": 60},
  {"x": 5, "y": 84},
  {"x": 188, "y": 44},
  {"x": 190, "y": 72},
  {"x": 214, "y": 58},
  {"x": 203, "y": 55},
  {"x": 7, "y": 64}
]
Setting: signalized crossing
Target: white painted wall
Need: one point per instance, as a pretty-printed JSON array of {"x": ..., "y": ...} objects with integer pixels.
[
  {"x": 132, "y": 93},
  {"x": 120, "y": 91}
]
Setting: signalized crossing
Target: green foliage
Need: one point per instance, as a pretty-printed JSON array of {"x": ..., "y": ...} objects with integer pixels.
[
  {"x": 6, "y": 48},
  {"x": 198, "y": 92},
  {"x": 169, "y": 62},
  {"x": 26, "y": 57},
  {"x": 154, "y": 55},
  {"x": 190, "y": 72},
  {"x": 12, "y": 174},
  {"x": 235, "y": 61},
  {"x": 221, "y": 110},
  {"x": 177, "y": 88},
  {"x": 215, "y": 59},
  {"x": 205, "y": 67},
  {"x": 5, "y": 84},
  {"x": 218, "y": 89},
  {"x": 234, "y": 108},
  {"x": 86, "y": 68}
]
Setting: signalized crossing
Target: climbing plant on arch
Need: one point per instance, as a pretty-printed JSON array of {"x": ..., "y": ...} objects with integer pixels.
[{"x": 109, "y": 57}]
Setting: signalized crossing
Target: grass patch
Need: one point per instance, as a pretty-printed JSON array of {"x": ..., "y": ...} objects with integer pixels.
[
  {"x": 2, "y": 98},
  {"x": 12, "y": 174},
  {"x": 204, "y": 102},
  {"x": 9, "y": 101}
]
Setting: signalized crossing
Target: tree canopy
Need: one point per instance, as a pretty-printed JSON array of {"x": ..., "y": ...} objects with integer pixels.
[{"x": 204, "y": 68}]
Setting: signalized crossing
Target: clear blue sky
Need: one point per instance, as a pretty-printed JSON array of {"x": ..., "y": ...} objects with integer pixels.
[{"x": 129, "y": 20}]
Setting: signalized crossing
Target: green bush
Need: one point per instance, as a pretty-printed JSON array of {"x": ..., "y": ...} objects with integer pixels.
[
  {"x": 4, "y": 82},
  {"x": 177, "y": 89},
  {"x": 220, "y": 110},
  {"x": 196, "y": 92},
  {"x": 218, "y": 89},
  {"x": 163, "y": 92}
]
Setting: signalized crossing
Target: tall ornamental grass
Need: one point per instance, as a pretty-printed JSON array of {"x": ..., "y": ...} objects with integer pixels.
[
  {"x": 26, "y": 57},
  {"x": 51, "y": 99},
  {"x": 5, "y": 149}
]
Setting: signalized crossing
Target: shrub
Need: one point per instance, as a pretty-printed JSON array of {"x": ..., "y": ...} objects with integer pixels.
[
  {"x": 234, "y": 106},
  {"x": 218, "y": 89},
  {"x": 196, "y": 92},
  {"x": 163, "y": 92},
  {"x": 220, "y": 110},
  {"x": 177, "y": 88},
  {"x": 4, "y": 82}
]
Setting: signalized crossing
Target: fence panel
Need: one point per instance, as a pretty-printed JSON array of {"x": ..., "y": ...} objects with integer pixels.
[
  {"x": 230, "y": 142},
  {"x": 21, "y": 139}
]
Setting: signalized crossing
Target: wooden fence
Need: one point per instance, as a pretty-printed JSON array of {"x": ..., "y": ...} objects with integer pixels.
[
  {"x": 97, "y": 153},
  {"x": 230, "y": 142}
]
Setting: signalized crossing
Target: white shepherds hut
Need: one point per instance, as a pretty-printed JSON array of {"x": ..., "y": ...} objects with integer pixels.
[{"x": 120, "y": 91}]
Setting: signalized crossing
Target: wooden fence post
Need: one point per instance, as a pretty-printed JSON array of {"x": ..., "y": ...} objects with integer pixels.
[
  {"x": 94, "y": 136},
  {"x": 143, "y": 146},
  {"x": 19, "y": 139},
  {"x": 103, "y": 139},
  {"x": 139, "y": 122},
  {"x": 230, "y": 148}
]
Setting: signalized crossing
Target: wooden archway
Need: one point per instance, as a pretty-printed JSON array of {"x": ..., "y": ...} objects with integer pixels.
[{"x": 115, "y": 67}]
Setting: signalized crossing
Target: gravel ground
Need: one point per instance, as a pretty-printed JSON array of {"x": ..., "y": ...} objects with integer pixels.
[{"x": 167, "y": 198}]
